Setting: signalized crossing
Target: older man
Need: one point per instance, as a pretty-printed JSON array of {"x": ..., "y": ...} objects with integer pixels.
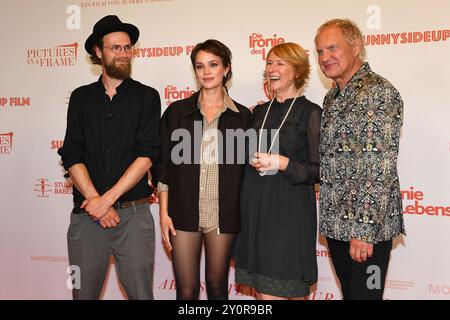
[
  {"x": 360, "y": 202},
  {"x": 111, "y": 140}
]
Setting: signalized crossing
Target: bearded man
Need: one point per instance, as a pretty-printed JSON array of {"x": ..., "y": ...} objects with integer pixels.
[{"x": 110, "y": 144}]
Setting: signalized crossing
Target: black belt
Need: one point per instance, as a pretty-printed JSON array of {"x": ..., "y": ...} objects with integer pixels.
[{"x": 118, "y": 205}]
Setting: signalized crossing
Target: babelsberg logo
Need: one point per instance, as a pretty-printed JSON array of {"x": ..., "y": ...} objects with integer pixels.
[
  {"x": 259, "y": 44},
  {"x": 15, "y": 102},
  {"x": 59, "y": 56},
  {"x": 157, "y": 52},
  {"x": 42, "y": 188},
  {"x": 6, "y": 142},
  {"x": 417, "y": 208},
  {"x": 406, "y": 37},
  {"x": 172, "y": 93}
]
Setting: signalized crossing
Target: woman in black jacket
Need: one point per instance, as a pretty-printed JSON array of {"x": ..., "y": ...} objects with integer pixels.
[{"x": 198, "y": 181}]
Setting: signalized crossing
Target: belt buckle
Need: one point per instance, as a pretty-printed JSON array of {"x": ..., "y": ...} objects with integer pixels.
[{"x": 117, "y": 205}]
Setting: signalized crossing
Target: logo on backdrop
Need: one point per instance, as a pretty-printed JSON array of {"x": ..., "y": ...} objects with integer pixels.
[
  {"x": 417, "y": 207},
  {"x": 15, "y": 102},
  {"x": 267, "y": 94},
  {"x": 60, "y": 56},
  {"x": 49, "y": 259},
  {"x": 158, "y": 52},
  {"x": 260, "y": 44},
  {"x": 374, "y": 22},
  {"x": 6, "y": 142},
  {"x": 43, "y": 188},
  {"x": 56, "y": 144},
  {"x": 406, "y": 37},
  {"x": 173, "y": 93},
  {"x": 233, "y": 288},
  {"x": 112, "y": 3},
  {"x": 319, "y": 295},
  {"x": 399, "y": 284},
  {"x": 168, "y": 284},
  {"x": 439, "y": 289},
  {"x": 323, "y": 253}
]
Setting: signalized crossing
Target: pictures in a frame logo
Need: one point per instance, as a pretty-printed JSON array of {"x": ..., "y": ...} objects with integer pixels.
[
  {"x": 6, "y": 142},
  {"x": 59, "y": 56}
]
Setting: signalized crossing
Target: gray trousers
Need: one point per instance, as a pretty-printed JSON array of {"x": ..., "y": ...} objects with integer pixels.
[{"x": 132, "y": 243}]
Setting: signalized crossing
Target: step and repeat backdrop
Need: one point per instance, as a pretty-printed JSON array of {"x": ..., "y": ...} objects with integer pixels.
[{"x": 43, "y": 60}]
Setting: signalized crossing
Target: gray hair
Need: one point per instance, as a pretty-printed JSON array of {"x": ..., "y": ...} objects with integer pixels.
[{"x": 349, "y": 29}]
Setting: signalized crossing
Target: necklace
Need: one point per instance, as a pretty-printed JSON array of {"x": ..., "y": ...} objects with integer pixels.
[{"x": 263, "y": 173}]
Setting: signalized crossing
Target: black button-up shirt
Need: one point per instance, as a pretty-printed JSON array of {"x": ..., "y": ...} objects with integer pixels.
[{"x": 108, "y": 135}]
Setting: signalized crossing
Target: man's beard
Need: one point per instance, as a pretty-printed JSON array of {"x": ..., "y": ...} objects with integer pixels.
[{"x": 118, "y": 71}]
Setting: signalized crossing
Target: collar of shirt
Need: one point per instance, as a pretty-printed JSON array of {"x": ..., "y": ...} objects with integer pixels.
[
  {"x": 227, "y": 103},
  {"x": 120, "y": 88},
  {"x": 192, "y": 105},
  {"x": 355, "y": 82}
]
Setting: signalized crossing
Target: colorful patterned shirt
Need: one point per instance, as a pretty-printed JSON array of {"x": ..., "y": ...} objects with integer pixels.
[{"x": 360, "y": 132}]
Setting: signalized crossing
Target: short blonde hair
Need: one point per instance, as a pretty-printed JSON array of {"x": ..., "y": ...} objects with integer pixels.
[
  {"x": 349, "y": 29},
  {"x": 295, "y": 55}
]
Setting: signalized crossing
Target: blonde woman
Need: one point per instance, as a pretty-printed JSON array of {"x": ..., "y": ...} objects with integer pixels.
[{"x": 275, "y": 252}]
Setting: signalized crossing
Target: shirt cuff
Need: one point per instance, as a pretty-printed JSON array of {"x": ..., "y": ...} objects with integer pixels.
[{"x": 162, "y": 187}]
